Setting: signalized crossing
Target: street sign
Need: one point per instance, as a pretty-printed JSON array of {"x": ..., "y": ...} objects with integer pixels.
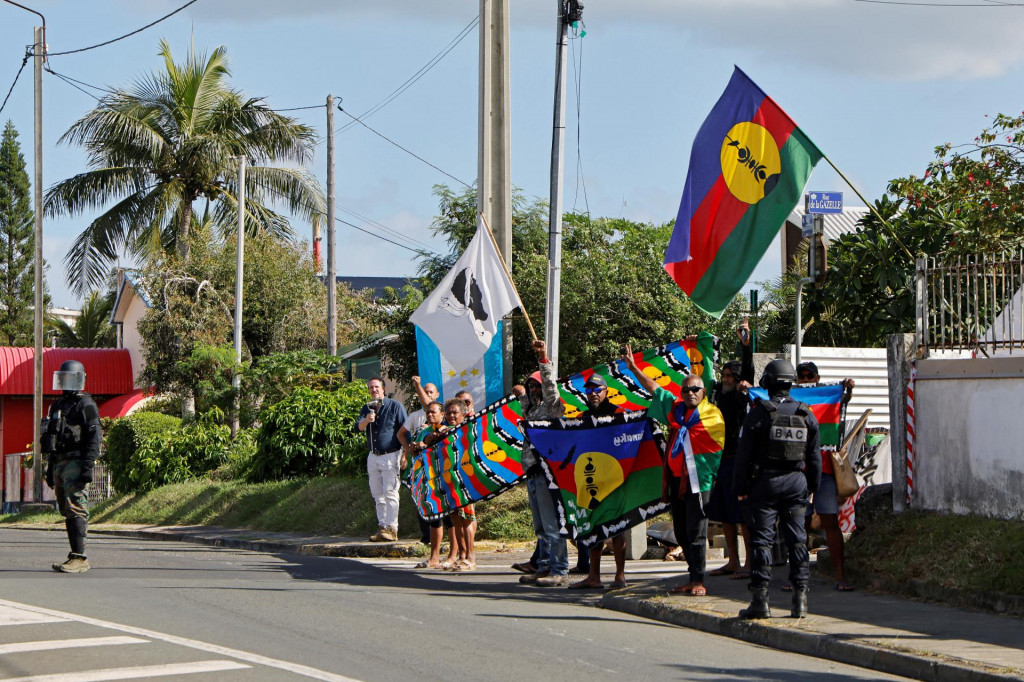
[{"x": 825, "y": 202}]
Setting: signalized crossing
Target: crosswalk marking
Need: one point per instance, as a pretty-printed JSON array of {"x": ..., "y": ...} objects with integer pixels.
[
  {"x": 11, "y": 614},
  {"x": 51, "y": 644},
  {"x": 134, "y": 673}
]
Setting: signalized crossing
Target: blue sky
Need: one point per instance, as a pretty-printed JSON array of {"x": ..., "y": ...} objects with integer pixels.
[{"x": 876, "y": 86}]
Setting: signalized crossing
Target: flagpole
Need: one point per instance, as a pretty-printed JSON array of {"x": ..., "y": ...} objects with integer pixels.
[{"x": 508, "y": 274}]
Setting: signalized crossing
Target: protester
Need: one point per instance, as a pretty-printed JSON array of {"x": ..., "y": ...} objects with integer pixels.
[
  {"x": 435, "y": 529},
  {"x": 689, "y": 518},
  {"x": 467, "y": 398},
  {"x": 730, "y": 395},
  {"x": 381, "y": 419},
  {"x": 777, "y": 464},
  {"x": 598, "y": 405},
  {"x": 427, "y": 394},
  {"x": 542, "y": 401},
  {"x": 825, "y": 502},
  {"x": 71, "y": 437},
  {"x": 464, "y": 518}
]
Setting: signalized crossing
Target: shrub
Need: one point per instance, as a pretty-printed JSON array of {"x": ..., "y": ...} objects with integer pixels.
[
  {"x": 124, "y": 438},
  {"x": 310, "y": 433},
  {"x": 181, "y": 455}
]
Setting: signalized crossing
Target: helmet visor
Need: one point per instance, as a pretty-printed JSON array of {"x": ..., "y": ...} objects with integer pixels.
[{"x": 68, "y": 381}]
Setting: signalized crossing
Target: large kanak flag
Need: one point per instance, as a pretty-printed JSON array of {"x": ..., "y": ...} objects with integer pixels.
[
  {"x": 461, "y": 315},
  {"x": 748, "y": 166}
]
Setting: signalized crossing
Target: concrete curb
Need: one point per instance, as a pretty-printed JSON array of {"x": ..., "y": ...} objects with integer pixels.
[{"x": 785, "y": 635}]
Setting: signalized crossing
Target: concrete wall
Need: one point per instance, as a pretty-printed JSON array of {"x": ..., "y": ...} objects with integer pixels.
[{"x": 969, "y": 434}]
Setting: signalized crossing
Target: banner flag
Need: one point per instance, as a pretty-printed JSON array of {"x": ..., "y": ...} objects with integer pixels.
[
  {"x": 826, "y": 401},
  {"x": 483, "y": 378},
  {"x": 748, "y": 167},
  {"x": 603, "y": 473},
  {"x": 461, "y": 315}
]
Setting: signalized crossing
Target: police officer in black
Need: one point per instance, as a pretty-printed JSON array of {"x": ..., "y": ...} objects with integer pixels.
[
  {"x": 777, "y": 467},
  {"x": 71, "y": 437}
]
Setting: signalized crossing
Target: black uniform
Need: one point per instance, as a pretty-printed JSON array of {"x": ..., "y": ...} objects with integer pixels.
[
  {"x": 71, "y": 437},
  {"x": 777, "y": 466}
]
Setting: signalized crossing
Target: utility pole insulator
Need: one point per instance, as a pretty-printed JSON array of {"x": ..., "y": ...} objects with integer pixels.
[{"x": 574, "y": 12}]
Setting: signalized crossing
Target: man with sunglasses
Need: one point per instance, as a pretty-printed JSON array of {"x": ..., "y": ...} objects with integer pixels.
[{"x": 689, "y": 517}]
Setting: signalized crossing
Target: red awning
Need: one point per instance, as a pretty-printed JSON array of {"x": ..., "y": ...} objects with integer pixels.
[
  {"x": 124, "y": 405},
  {"x": 108, "y": 371}
]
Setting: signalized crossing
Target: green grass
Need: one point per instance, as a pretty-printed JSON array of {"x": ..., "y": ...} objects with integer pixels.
[
  {"x": 964, "y": 553},
  {"x": 321, "y": 506}
]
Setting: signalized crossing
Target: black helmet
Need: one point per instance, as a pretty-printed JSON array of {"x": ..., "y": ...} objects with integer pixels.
[
  {"x": 778, "y": 373},
  {"x": 70, "y": 377}
]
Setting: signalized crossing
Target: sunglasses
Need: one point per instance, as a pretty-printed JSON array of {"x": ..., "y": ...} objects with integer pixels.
[
  {"x": 692, "y": 389},
  {"x": 594, "y": 389},
  {"x": 804, "y": 375}
]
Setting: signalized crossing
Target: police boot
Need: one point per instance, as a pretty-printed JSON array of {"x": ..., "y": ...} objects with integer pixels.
[
  {"x": 799, "y": 603},
  {"x": 758, "y": 604}
]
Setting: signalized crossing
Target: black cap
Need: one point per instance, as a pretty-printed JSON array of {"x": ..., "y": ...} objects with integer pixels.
[
  {"x": 808, "y": 367},
  {"x": 596, "y": 380}
]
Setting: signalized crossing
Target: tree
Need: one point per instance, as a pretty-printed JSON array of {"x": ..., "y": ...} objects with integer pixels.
[
  {"x": 92, "y": 329},
  {"x": 166, "y": 141},
  {"x": 614, "y": 289},
  {"x": 17, "y": 245}
]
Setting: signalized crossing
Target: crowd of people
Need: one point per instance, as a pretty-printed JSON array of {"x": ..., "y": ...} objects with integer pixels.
[{"x": 770, "y": 472}]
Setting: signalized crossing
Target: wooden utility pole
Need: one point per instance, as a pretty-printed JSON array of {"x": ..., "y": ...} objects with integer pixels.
[{"x": 332, "y": 265}]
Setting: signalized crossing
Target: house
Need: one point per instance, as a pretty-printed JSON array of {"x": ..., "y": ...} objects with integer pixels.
[{"x": 130, "y": 304}]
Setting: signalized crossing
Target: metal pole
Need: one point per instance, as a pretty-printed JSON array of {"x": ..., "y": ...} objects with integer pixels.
[
  {"x": 551, "y": 320},
  {"x": 38, "y": 50},
  {"x": 236, "y": 380},
  {"x": 332, "y": 264}
]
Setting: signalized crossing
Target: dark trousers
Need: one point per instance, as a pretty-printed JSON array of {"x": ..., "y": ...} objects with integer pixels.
[
  {"x": 690, "y": 524},
  {"x": 781, "y": 498}
]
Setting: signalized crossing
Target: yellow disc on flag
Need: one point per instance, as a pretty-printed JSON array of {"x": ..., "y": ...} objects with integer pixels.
[
  {"x": 751, "y": 164},
  {"x": 597, "y": 474}
]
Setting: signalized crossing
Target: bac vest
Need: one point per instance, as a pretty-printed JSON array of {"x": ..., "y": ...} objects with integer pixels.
[{"x": 787, "y": 433}]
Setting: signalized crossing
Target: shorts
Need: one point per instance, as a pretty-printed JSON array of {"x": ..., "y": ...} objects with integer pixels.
[
  {"x": 445, "y": 521},
  {"x": 467, "y": 512},
  {"x": 826, "y": 499},
  {"x": 723, "y": 506}
]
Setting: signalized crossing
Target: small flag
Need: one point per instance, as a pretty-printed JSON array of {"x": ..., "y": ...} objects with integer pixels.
[
  {"x": 483, "y": 378},
  {"x": 748, "y": 167}
]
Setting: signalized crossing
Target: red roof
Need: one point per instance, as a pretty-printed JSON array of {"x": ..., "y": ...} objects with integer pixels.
[
  {"x": 124, "y": 405},
  {"x": 108, "y": 371}
]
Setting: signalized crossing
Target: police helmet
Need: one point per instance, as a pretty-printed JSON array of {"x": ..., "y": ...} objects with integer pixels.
[
  {"x": 70, "y": 377},
  {"x": 778, "y": 372}
]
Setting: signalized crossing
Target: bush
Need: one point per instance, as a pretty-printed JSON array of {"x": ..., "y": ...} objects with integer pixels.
[
  {"x": 309, "y": 433},
  {"x": 124, "y": 438},
  {"x": 181, "y": 455}
]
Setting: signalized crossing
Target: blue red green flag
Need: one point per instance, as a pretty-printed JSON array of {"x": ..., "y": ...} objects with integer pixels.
[
  {"x": 826, "y": 401},
  {"x": 748, "y": 167}
]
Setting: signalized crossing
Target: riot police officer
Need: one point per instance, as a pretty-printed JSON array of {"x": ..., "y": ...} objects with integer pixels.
[
  {"x": 71, "y": 437},
  {"x": 777, "y": 467}
]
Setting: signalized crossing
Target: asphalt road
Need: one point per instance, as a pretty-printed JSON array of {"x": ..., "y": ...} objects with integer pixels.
[{"x": 180, "y": 611}]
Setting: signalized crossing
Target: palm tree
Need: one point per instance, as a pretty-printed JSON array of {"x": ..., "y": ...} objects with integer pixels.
[
  {"x": 92, "y": 329},
  {"x": 167, "y": 141}
]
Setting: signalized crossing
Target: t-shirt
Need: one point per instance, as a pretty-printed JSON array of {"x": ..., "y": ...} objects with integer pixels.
[{"x": 415, "y": 421}]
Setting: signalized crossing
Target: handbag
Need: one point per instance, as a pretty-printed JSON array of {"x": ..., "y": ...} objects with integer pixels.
[{"x": 846, "y": 480}]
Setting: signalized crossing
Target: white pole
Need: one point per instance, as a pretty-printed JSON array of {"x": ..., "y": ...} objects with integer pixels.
[
  {"x": 39, "y": 51},
  {"x": 236, "y": 381},
  {"x": 332, "y": 263}
]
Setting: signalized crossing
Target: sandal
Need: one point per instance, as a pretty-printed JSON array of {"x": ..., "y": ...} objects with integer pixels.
[
  {"x": 463, "y": 567},
  {"x": 681, "y": 589},
  {"x": 740, "y": 575},
  {"x": 584, "y": 585},
  {"x": 690, "y": 590},
  {"x": 426, "y": 564},
  {"x": 721, "y": 571},
  {"x": 618, "y": 585},
  {"x": 844, "y": 587}
]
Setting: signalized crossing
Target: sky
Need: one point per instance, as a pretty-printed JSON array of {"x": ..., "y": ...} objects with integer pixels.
[{"x": 876, "y": 86}]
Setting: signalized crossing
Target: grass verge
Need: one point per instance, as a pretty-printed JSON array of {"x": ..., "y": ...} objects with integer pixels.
[{"x": 319, "y": 506}]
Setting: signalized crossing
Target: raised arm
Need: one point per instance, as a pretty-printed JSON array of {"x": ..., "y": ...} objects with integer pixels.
[{"x": 645, "y": 381}]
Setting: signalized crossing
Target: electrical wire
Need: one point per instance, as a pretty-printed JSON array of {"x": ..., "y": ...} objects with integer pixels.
[
  {"x": 72, "y": 83},
  {"x": 390, "y": 241},
  {"x": 389, "y": 230},
  {"x": 943, "y": 4},
  {"x": 388, "y": 139},
  {"x": 16, "y": 77},
  {"x": 126, "y": 35},
  {"x": 419, "y": 74}
]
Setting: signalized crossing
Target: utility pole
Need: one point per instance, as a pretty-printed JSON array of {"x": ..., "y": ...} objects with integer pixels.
[
  {"x": 39, "y": 54},
  {"x": 494, "y": 166},
  {"x": 332, "y": 264},
  {"x": 236, "y": 380},
  {"x": 569, "y": 11}
]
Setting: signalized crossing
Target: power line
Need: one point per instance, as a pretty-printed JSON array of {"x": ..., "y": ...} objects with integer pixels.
[
  {"x": 389, "y": 230},
  {"x": 384, "y": 137},
  {"x": 390, "y": 241},
  {"x": 989, "y": 3},
  {"x": 126, "y": 35},
  {"x": 419, "y": 74},
  {"x": 72, "y": 83},
  {"x": 16, "y": 77}
]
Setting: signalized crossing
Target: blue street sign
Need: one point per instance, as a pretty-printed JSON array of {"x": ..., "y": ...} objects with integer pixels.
[{"x": 825, "y": 202}]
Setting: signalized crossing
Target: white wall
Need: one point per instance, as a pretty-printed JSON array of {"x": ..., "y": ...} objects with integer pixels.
[
  {"x": 131, "y": 339},
  {"x": 868, "y": 367},
  {"x": 969, "y": 436}
]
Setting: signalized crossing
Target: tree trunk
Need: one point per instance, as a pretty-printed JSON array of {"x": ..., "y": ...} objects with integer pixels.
[{"x": 184, "y": 228}]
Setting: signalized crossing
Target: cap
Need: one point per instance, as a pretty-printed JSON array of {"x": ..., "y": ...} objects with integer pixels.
[
  {"x": 596, "y": 380},
  {"x": 808, "y": 367}
]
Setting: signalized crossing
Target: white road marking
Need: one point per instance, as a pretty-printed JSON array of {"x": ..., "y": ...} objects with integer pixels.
[
  {"x": 256, "y": 659},
  {"x": 50, "y": 645},
  {"x": 134, "y": 673},
  {"x": 11, "y": 615}
]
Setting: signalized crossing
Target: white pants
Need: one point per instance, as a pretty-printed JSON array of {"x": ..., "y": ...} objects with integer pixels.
[{"x": 383, "y": 472}]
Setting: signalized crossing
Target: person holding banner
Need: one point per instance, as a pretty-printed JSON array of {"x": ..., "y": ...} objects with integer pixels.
[
  {"x": 435, "y": 529},
  {"x": 413, "y": 424},
  {"x": 695, "y": 441},
  {"x": 464, "y": 518}
]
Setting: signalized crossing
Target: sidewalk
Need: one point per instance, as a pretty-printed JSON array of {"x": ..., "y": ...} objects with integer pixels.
[{"x": 889, "y": 634}]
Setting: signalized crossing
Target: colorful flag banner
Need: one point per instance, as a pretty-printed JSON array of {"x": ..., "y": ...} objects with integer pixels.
[
  {"x": 748, "y": 167},
  {"x": 462, "y": 314},
  {"x": 826, "y": 401},
  {"x": 604, "y": 474},
  {"x": 483, "y": 378},
  {"x": 703, "y": 434}
]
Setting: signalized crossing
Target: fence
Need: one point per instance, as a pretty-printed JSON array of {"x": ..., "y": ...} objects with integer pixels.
[
  {"x": 971, "y": 304},
  {"x": 18, "y": 483}
]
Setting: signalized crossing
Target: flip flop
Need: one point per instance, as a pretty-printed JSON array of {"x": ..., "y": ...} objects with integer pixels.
[
  {"x": 844, "y": 587},
  {"x": 426, "y": 564},
  {"x": 682, "y": 589},
  {"x": 618, "y": 585},
  {"x": 721, "y": 571},
  {"x": 740, "y": 575},
  {"x": 584, "y": 585}
]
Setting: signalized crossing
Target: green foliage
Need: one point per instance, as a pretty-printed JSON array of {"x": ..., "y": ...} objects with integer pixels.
[
  {"x": 209, "y": 371},
  {"x": 125, "y": 436},
  {"x": 92, "y": 329},
  {"x": 17, "y": 244},
  {"x": 309, "y": 433},
  {"x": 272, "y": 377},
  {"x": 167, "y": 140},
  {"x": 614, "y": 289},
  {"x": 182, "y": 454}
]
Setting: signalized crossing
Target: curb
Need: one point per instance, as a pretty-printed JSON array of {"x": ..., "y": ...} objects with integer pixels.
[{"x": 785, "y": 636}]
